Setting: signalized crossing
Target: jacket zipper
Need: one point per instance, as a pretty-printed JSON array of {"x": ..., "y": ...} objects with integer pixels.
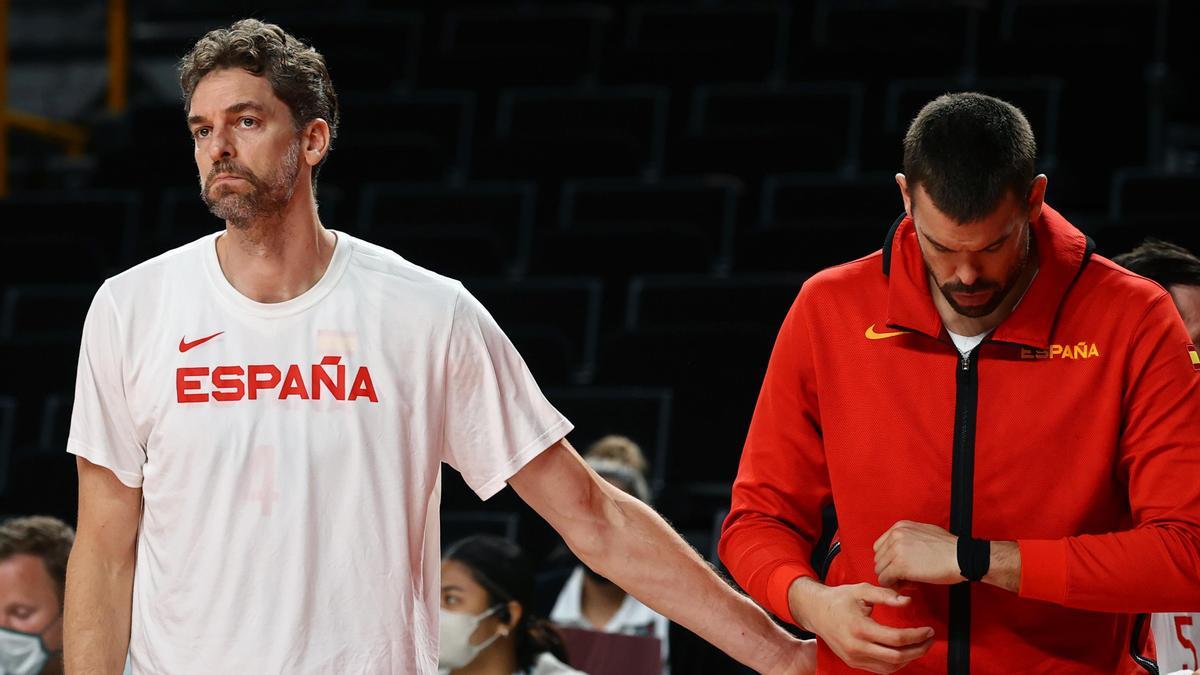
[{"x": 962, "y": 486}]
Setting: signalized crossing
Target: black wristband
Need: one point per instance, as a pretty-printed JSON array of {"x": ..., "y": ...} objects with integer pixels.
[{"x": 974, "y": 557}]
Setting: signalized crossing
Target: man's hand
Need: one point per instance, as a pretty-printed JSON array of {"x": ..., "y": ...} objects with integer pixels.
[
  {"x": 917, "y": 552},
  {"x": 841, "y": 616}
]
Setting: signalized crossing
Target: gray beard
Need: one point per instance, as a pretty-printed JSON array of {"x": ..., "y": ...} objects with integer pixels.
[{"x": 266, "y": 198}]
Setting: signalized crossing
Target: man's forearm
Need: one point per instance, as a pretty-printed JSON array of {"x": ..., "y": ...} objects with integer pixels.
[
  {"x": 639, "y": 551},
  {"x": 99, "y": 600},
  {"x": 1004, "y": 568}
]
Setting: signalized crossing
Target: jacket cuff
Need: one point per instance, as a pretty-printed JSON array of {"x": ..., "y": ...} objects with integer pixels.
[
  {"x": 778, "y": 583},
  {"x": 1044, "y": 570}
]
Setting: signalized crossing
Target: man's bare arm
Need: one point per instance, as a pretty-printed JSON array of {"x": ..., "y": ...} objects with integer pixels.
[
  {"x": 624, "y": 540},
  {"x": 99, "y": 595}
]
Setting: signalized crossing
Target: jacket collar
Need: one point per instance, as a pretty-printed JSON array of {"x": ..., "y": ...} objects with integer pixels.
[{"x": 1062, "y": 252}]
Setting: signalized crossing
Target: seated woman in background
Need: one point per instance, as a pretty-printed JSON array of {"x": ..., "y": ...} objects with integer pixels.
[
  {"x": 487, "y": 627},
  {"x": 590, "y": 601}
]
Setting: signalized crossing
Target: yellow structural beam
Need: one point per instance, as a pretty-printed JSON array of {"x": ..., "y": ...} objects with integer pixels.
[
  {"x": 73, "y": 137},
  {"x": 118, "y": 55}
]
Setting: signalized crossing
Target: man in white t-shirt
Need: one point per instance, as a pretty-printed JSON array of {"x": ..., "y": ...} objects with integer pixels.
[
  {"x": 1176, "y": 635},
  {"x": 261, "y": 415}
]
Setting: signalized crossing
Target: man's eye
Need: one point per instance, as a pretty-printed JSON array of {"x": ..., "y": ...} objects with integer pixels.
[
  {"x": 248, "y": 122},
  {"x": 202, "y": 132}
]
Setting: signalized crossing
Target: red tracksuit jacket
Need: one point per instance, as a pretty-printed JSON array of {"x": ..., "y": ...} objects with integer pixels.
[{"x": 1074, "y": 429}]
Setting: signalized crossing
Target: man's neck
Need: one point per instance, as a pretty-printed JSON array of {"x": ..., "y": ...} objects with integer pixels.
[
  {"x": 600, "y": 602},
  {"x": 277, "y": 259},
  {"x": 969, "y": 325}
]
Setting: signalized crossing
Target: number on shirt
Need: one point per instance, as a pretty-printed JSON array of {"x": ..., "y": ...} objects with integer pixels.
[{"x": 1180, "y": 622}]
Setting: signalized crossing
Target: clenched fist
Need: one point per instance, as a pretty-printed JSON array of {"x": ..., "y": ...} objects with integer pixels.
[{"x": 911, "y": 551}]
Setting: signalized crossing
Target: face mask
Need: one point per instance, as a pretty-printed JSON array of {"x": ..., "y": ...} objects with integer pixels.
[
  {"x": 22, "y": 653},
  {"x": 455, "y": 649}
]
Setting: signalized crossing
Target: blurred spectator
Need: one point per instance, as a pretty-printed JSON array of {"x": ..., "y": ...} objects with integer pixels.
[
  {"x": 487, "y": 626},
  {"x": 1175, "y": 269},
  {"x": 590, "y": 601},
  {"x": 33, "y": 575}
]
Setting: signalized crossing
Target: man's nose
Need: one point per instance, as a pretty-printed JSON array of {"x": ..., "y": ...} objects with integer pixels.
[
  {"x": 221, "y": 146},
  {"x": 967, "y": 273}
]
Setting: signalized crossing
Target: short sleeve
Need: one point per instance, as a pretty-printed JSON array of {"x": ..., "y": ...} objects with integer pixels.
[
  {"x": 496, "y": 418},
  {"x": 102, "y": 428}
]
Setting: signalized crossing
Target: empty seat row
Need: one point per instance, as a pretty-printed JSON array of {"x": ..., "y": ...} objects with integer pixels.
[{"x": 568, "y": 43}]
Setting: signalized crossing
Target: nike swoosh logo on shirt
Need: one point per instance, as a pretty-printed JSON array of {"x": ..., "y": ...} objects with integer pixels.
[
  {"x": 872, "y": 335},
  {"x": 184, "y": 345}
]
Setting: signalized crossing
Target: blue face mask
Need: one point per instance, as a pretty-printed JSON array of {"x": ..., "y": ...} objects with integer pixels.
[{"x": 23, "y": 653}]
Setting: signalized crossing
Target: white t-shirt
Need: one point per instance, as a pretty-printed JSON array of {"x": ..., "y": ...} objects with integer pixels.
[
  {"x": 632, "y": 617},
  {"x": 289, "y": 455},
  {"x": 965, "y": 343},
  {"x": 1176, "y": 641}
]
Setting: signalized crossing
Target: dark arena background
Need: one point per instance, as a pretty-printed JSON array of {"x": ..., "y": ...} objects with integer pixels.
[{"x": 636, "y": 191}]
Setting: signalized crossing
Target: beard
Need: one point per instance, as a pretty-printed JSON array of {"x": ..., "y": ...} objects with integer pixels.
[
  {"x": 1000, "y": 290},
  {"x": 266, "y": 198}
]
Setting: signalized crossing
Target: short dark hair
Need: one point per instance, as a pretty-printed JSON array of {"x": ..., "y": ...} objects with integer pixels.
[
  {"x": 296, "y": 71},
  {"x": 969, "y": 150},
  {"x": 43, "y": 536},
  {"x": 1164, "y": 262}
]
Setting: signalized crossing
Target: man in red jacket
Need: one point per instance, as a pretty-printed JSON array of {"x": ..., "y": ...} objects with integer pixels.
[{"x": 995, "y": 412}]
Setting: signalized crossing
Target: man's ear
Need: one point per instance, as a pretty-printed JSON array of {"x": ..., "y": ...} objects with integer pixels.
[
  {"x": 902, "y": 181},
  {"x": 315, "y": 141},
  {"x": 1037, "y": 197}
]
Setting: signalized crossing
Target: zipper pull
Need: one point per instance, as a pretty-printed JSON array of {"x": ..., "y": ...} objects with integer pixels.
[{"x": 966, "y": 360}]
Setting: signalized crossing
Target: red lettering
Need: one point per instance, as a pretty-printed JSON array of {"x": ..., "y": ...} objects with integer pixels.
[
  {"x": 256, "y": 383},
  {"x": 319, "y": 377},
  {"x": 293, "y": 384},
  {"x": 183, "y": 385},
  {"x": 222, "y": 380},
  {"x": 363, "y": 386},
  {"x": 236, "y": 383}
]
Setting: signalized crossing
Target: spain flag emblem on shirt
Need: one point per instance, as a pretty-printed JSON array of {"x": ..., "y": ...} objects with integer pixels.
[{"x": 1195, "y": 356}]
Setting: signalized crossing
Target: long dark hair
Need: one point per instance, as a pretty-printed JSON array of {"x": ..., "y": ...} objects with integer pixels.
[{"x": 505, "y": 573}]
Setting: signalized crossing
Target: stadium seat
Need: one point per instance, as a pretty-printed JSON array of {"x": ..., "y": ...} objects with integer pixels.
[
  {"x": 878, "y": 39},
  {"x": 689, "y": 43},
  {"x": 808, "y": 222},
  {"x": 56, "y": 422},
  {"x": 642, "y": 414},
  {"x": 640, "y": 213},
  {"x": 540, "y": 43},
  {"x": 594, "y": 131},
  {"x": 457, "y": 525},
  {"x": 715, "y": 374},
  {"x": 349, "y": 40},
  {"x": 8, "y": 415},
  {"x": 552, "y": 322},
  {"x": 754, "y": 303},
  {"x": 32, "y": 368},
  {"x": 54, "y": 311},
  {"x": 405, "y": 136},
  {"x": 75, "y": 236},
  {"x": 471, "y": 230},
  {"x": 750, "y": 130}
]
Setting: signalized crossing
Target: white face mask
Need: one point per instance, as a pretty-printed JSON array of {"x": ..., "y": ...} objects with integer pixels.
[
  {"x": 455, "y": 629},
  {"x": 22, "y": 653}
]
